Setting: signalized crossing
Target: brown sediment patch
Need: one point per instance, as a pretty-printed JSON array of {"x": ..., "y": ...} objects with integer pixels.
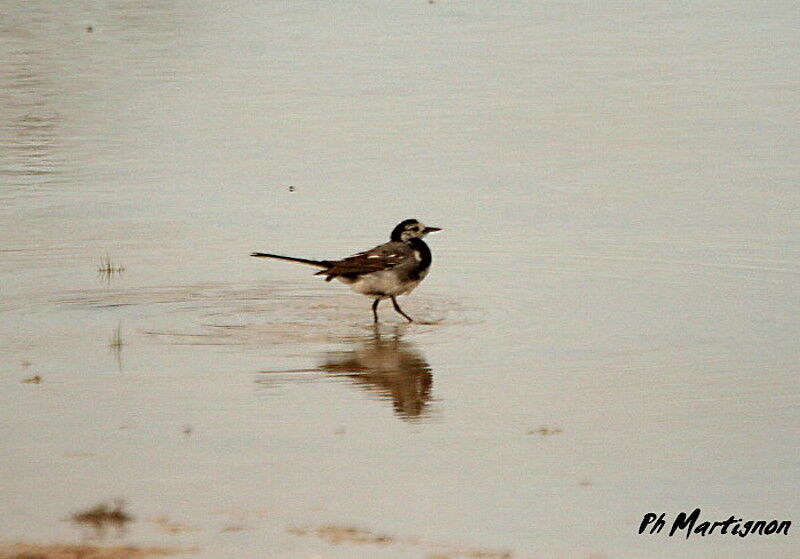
[
  {"x": 103, "y": 516},
  {"x": 344, "y": 534},
  {"x": 66, "y": 551},
  {"x": 336, "y": 534},
  {"x": 545, "y": 431},
  {"x": 166, "y": 526}
]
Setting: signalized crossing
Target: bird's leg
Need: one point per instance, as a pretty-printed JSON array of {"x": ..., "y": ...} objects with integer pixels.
[
  {"x": 398, "y": 309},
  {"x": 375, "y": 310}
]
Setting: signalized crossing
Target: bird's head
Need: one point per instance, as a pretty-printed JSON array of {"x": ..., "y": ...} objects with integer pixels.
[{"x": 411, "y": 229}]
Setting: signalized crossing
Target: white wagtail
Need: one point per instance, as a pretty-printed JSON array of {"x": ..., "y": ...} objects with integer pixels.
[{"x": 384, "y": 272}]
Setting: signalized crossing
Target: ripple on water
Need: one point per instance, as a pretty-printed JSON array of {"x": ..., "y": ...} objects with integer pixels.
[{"x": 258, "y": 314}]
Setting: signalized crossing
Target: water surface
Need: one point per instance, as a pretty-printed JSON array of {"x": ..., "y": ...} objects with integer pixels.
[{"x": 609, "y": 328}]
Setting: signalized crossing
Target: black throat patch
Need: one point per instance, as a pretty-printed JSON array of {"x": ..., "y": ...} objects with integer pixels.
[{"x": 424, "y": 253}]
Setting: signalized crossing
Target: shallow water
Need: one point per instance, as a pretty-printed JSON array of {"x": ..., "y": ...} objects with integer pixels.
[{"x": 609, "y": 328}]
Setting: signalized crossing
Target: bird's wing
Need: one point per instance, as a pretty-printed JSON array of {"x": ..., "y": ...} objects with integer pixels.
[{"x": 383, "y": 257}]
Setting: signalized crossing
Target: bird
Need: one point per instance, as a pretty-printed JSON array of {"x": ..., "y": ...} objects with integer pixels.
[{"x": 383, "y": 272}]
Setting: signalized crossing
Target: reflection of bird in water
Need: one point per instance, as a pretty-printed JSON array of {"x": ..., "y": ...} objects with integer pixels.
[
  {"x": 383, "y": 365},
  {"x": 389, "y": 367}
]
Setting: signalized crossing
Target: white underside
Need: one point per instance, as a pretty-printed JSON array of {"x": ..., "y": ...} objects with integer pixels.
[{"x": 381, "y": 285}]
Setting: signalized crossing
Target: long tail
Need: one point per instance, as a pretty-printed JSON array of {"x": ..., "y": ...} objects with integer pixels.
[{"x": 315, "y": 263}]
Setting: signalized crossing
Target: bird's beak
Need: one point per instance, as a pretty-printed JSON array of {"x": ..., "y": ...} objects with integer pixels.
[{"x": 431, "y": 230}]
